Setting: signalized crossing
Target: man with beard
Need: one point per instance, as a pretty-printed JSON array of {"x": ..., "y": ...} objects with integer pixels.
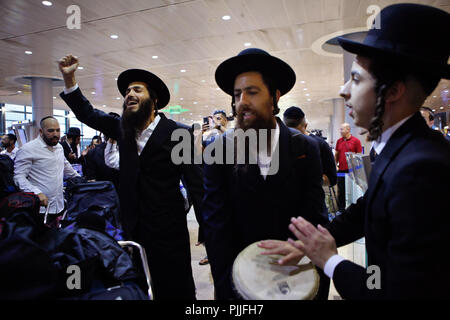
[
  {"x": 152, "y": 206},
  {"x": 40, "y": 167},
  {"x": 245, "y": 203},
  {"x": 9, "y": 143},
  {"x": 406, "y": 230}
]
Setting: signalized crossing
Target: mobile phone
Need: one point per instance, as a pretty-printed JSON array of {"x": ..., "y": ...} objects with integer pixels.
[{"x": 205, "y": 120}]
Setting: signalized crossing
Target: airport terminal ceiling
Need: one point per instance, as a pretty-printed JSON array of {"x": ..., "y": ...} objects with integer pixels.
[{"x": 183, "y": 42}]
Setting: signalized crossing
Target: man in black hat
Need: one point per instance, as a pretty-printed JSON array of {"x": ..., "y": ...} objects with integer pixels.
[
  {"x": 71, "y": 144},
  {"x": 294, "y": 117},
  {"x": 152, "y": 206},
  {"x": 407, "y": 234},
  {"x": 249, "y": 202}
]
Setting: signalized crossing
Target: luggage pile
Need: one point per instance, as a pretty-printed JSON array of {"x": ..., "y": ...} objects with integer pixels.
[{"x": 81, "y": 260}]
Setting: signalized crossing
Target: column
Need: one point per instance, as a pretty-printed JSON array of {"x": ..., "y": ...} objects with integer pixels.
[{"x": 42, "y": 102}]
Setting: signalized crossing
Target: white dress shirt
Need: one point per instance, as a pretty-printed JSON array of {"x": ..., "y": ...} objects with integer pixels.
[
  {"x": 264, "y": 161},
  {"x": 11, "y": 154},
  {"x": 378, "y": 146},
  {"x": 40, "y": 168},
  {"x": 112, "y": 155}
]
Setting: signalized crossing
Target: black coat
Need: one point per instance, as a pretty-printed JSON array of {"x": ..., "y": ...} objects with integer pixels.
[
  {"x": 327, "y": 159},
  {"x": 95, "y": 167},
  {"x": 152, "y": 206},
  {"x": 241, "y": 207},
  {"x": 404, "y": 216}
]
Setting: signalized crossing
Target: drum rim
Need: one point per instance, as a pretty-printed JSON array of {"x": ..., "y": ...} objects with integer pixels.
[{"x": 249, "y": 296}]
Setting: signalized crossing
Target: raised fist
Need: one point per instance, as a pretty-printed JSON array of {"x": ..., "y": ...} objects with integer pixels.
[{"x": 68, "y": 65}]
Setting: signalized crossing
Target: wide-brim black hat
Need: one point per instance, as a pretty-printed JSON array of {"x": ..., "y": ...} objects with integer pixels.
[
  {"x": 74, "y": 131},
  {"x": 254, "y": 59},
  {"x": 154, "y": 83},
  {"x": 411, "y": 33}
]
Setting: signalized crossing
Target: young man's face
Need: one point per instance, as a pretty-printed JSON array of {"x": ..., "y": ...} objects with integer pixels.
[
  {"x": 254, "y": 104},
  {"x": 5, "y": 141},
  {"x": 219, "y": 119},
  {"x": 359, "y": 93}
]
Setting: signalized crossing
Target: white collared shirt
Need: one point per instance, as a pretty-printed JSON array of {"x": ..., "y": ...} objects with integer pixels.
[
  {"x": 264, "y": 160},
  {"x": 112, "y": 158},
  {"x": 143, "y": 137},
  {"x": 11, "y": 154},
  {"x": 378, "y": 146},
  {"x": 40, "y": 168}
]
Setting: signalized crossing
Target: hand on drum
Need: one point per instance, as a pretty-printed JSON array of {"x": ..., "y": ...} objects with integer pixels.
[
  {"x": 291, "y": 254},
  {"x": 317, "y": 243}
]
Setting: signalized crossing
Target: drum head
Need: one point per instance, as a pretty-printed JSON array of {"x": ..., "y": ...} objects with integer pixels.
[{"x": 260, "y": 277}]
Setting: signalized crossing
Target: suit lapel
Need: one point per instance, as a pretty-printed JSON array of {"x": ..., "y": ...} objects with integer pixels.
[
  {"x": 390, "y": 151},
  {"x": 161, "y": 133}
]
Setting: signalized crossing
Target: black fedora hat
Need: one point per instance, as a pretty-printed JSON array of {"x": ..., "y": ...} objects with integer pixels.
[
  {"x": 154, "y": 83},
  {"x": 74, "y": 131},
  {"x": 411, "y": 33},
  {"x": 294, "y": 113},
  {"x": 254, "y": 59}
]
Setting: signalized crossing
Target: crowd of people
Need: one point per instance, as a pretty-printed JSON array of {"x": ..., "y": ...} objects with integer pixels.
[{"x": 277, "y": 200}]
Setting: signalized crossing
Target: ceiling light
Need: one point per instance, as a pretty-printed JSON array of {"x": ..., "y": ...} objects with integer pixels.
[
  {"x": 93, "y": 92},
  {"x": 114, "y": 36},
  {"x": 302, "y": 81},
  {"x": 441, "y": 108},
  {"x": 80, "y": 68},
  {"x": 195, "y": 102},
  {"x": 203, "y": 80},
  {"x": 28, "y": 52},
  {"x": 104, "y": 106},
  {"x": 181, "y": 99},
  {"x": 217, "y": 89},
  {"x": 118, "y": 98},
  {"x": 434, "y": 96},
  {"x": 54, "y": 97},
  {"x": 307, "y": 94},
  {"x": 19, "y": 91},
  {"x": 309, "y": 99},
  {"x": 47, "y": 3},
  {"x": 226, "y": 18},
  {"x": 434, "y": 110},
  {"x": 154, "y": 57},
  {"x": 305, "y": 89},
  {"x": 247, "y": 44},
  {"x": 115, "y": 79},
  {"x": 183, "y": 70}
]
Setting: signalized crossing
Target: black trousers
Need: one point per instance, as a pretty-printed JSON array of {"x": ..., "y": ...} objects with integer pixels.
[
  {"x": 341, "y": 191},
  {"x": 166, "y": 242}
]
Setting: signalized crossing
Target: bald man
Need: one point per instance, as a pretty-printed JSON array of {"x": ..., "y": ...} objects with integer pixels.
[
  {"x": 40, "y": 167},
  {"x": 347, "y": 143}
]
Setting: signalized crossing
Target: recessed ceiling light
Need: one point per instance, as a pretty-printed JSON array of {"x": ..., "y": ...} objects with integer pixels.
[
  {"x": 183, "y": 70},
  {"x": 195, "y": 102},
  {"x": 226, "y": 18},
  {"x": 104, "y": 106},
  {"x": 19, "y": 91},
  {"x": 203, "y": 80},
  {"x": 54, "y": 97},
  {"x": 181, "y": 99},
  {"x": 93, "y": 92},
  {"x": 305, "y": 89},
  {"x": 441, "y": 108},
  {"x": 154, "y": 57},
  {"x": 309, "y": 99},
  {"x": 115, "y": 79},
  {"x": 118, "y": 98},
  {"x": 114, "y": 36},
  {"x": 47, "y": 3},
  {"x": 307, "y": 94},
  {"x": 247, "y": 44},
  {"x": 28, "y": 52},
  {"x": 434, "y": 110},
  {"x": 217, "y": 89},
  {"x": 81, "y": 68},
  {"x": 434, "y": 96},
  {"x": 302, "y": 81}
]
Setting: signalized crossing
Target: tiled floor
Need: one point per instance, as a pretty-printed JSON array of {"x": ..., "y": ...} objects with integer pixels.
[{"x": 202, "y": 274}]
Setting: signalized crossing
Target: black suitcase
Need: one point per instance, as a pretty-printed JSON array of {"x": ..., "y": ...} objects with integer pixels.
[{"x": 125, "y": 292}]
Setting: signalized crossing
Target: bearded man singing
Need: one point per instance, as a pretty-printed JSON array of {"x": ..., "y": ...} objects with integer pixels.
[{"x": 152, "y": 206}]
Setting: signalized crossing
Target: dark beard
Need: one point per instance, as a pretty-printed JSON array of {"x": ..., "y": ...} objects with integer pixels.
[
  {"x": 132, "y": 123},
  {"x": 258, "y": 123}
]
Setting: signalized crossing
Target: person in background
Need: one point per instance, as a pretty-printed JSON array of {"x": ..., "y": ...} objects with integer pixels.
[
  {"x": 40, "y": 168},
  {"x": 9, "y": 143},
  {"x": 347, "y": 143},
  {"x": 71, "y": 145}
]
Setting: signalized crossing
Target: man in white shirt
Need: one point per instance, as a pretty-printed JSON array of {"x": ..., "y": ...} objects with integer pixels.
[
  {"x": 40, "y": 167},
  {"x": 406, "y": 232},
  {"x": 9, "y": 143}
]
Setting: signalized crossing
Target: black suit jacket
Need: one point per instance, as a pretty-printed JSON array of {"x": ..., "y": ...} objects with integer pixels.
[
  {"x": 327, "y": 158},
  {"x": 149, "y": 183},
  {"x": 95, "y": 167},
  {"x": 404, "y": 216},
  {"x": 240, "y": 207}
]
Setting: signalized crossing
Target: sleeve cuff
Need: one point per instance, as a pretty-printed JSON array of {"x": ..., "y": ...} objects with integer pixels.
[
  {"x": 70, "y": 90},
  {"x": 331, "y": 264}
]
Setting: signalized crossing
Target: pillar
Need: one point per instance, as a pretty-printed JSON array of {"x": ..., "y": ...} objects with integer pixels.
[{"x": 42, "y": 102}]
